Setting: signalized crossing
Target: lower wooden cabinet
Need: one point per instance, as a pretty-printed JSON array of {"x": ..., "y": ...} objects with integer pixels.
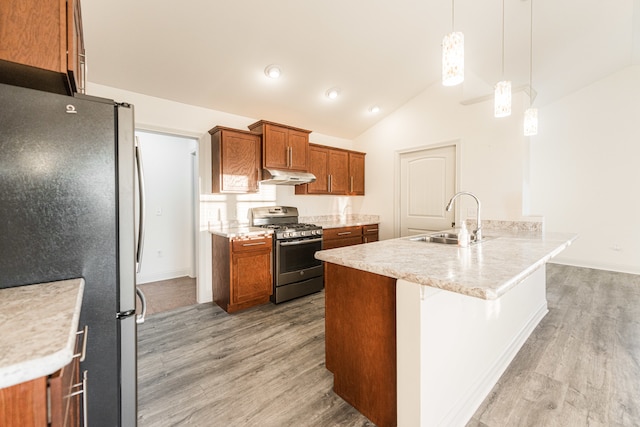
[
  {"x": 53, "y": 400},
  {"x": 370, "y": 233},
  {"x": 241, "y": 271},
  {"x": 342, "y": 236},
  {"x": 347, "y": 236}
]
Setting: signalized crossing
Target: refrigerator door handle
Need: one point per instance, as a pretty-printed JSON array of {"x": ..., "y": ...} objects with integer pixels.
[
  {"x": 141, "y": 195},
  {"x": 143, "y": 300}
]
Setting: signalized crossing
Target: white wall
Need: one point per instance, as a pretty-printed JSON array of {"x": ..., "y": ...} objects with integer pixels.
[
  {"x": 580, "y": 172},
  {"x": 169, "y": 234},
  {"x": 585, "y": 172},
  {"x": 492, "y": 152}
]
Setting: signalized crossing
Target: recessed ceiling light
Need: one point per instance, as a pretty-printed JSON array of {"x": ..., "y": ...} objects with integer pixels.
[
  {"x": 272, "y": 71},
  {"x": 333, "y": 93},
  {"x": 374, "y": 109}
]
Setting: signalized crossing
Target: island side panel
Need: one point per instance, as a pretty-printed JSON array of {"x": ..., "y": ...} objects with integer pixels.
[{"x": 360, "y": 328}]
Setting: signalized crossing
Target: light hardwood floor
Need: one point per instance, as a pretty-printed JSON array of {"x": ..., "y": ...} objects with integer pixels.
[{"x": 265, "y": 366}]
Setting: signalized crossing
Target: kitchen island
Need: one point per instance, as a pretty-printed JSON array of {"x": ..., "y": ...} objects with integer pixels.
[{"x": 417, "y": 333}]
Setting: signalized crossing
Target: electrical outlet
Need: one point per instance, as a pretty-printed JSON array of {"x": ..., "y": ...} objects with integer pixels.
[
  {"x": 159, "y": 212},
  {"x": 616, "y": 247},
  {"x": 472, "y": 212},
  {"x": 159, "y": 254}
]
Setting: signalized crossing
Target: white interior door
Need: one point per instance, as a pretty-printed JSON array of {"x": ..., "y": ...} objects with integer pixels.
[{"x": 427, "y": 181}]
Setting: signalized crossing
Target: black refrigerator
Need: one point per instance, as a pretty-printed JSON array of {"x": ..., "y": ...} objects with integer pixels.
[{"x": 68, "y": 196}]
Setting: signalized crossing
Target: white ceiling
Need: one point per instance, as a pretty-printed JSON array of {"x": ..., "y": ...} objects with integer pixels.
[{"x": 212, "y": 53}]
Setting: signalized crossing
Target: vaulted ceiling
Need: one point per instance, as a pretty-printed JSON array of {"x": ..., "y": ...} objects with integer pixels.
[{"x": 212, "y": 53}]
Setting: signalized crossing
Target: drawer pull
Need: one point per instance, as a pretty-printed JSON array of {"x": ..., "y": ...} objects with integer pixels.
[
  {"x": 254, "y": 244},
  {"x": 85, "y": 335},
  {"x": 83, "y": 392},
  {"x": 371, "y": 230},
  {"x": 344, "y": 233}
]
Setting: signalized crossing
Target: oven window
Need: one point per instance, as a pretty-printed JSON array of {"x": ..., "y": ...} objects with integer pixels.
[{"x": 297, "y": 257}]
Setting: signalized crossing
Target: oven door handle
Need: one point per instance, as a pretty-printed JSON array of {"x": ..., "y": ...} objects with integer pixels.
[{"x": 300, "y": 242}]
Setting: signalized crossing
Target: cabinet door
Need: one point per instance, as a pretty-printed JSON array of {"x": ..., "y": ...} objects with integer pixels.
[
  {"x": 318, "y": 165},
  {"x": 24, "y": 404},
  {"x": 251, "y": 273},
  {"x": 240, "y": 162},
  {"x": 339, "y": 171},
  {"x": 299, "y": 150},
  {"x": 356, "y": 174},
  {"x": 235, "y": 161},
  {"x": 275, "y": 149}
]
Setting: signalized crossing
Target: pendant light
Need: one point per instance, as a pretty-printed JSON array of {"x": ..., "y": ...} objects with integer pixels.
[
  {"x": 453, "y": 55},
  {"x": 502, "y": 103},
  {"x": 531, "y": 114}
]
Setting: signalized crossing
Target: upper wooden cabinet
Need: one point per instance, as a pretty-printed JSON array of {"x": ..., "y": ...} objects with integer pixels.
[
  {"x": 356, "y": 173},
  {"x": 337, "y": 171},
  {"x": 283, "y": 147},
  {"x": 41, "y": 45},
  {"x": 235, "y": 160}
]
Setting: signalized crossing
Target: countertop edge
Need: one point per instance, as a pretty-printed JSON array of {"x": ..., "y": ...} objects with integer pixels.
[
  {"x": 46, "y": 365},
  {"x": 457, "y": 287}
]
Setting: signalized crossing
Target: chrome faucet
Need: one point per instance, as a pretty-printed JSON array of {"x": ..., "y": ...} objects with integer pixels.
[{"x": 478, "y": 231}]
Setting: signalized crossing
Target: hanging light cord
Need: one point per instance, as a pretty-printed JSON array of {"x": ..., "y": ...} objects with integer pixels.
[
  {"x": 453, "y": 8},
  {"x": 531, "y": 54},
  {"x": 502, "y": 39}
]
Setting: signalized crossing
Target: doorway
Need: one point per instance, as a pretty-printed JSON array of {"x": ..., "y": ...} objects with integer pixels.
[
  {"x": 168, "y": 268},
  {"x": 427, "y": 180}
]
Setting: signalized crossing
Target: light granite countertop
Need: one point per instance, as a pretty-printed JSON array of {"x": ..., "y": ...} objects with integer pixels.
[
  {"x": 39, "y": 324},
  {"x": 336, "y": 221},
  {"x": 486, "y": 270},
  {"x": 241, "y": 231}
]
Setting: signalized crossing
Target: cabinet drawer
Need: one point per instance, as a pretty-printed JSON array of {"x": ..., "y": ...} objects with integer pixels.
[
  {"x": 342, "y": 232},
  {"x": 251, "y": 244},
  {"x": 339, "y": 243}
]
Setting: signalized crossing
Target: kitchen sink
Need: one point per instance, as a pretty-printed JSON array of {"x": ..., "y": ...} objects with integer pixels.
[{"x": 444, "y": 238}]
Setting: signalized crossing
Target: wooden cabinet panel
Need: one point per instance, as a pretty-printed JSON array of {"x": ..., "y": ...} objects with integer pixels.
[
  {"x": 24, "y": 404},
  {"x": 360, "y": 340},
  {"x": 299, "y": 143},
  {"x": 235, "y": 161},
  {"x": 319, "y": 166},
  {"x": 241, "y": 272},
  {"x": 42, "y": 50},
  {"x": 276, "y": 147},
  {"x": 370, "y": 233},
  {"x": 251, "y": 273},
  {"x": 283, "y": 147},
  {"x": 337, "y": 171},
  {"x": 356, "y": 174},
  {"x": 342, "y": 236}
]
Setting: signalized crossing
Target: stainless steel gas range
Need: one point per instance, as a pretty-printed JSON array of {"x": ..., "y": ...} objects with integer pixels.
[{"x": 296, "y": 271}]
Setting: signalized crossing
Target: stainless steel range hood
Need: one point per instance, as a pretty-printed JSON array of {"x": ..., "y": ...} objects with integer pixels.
[{"x": 284, "y": 177}]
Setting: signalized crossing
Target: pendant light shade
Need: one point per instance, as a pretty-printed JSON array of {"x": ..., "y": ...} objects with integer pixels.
[
  {"x": 531, "y": 122},
  {"x": 453, "y": 54},
  {"x": 502, "y": 105},
  {"x": 453, "y": 59}
]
